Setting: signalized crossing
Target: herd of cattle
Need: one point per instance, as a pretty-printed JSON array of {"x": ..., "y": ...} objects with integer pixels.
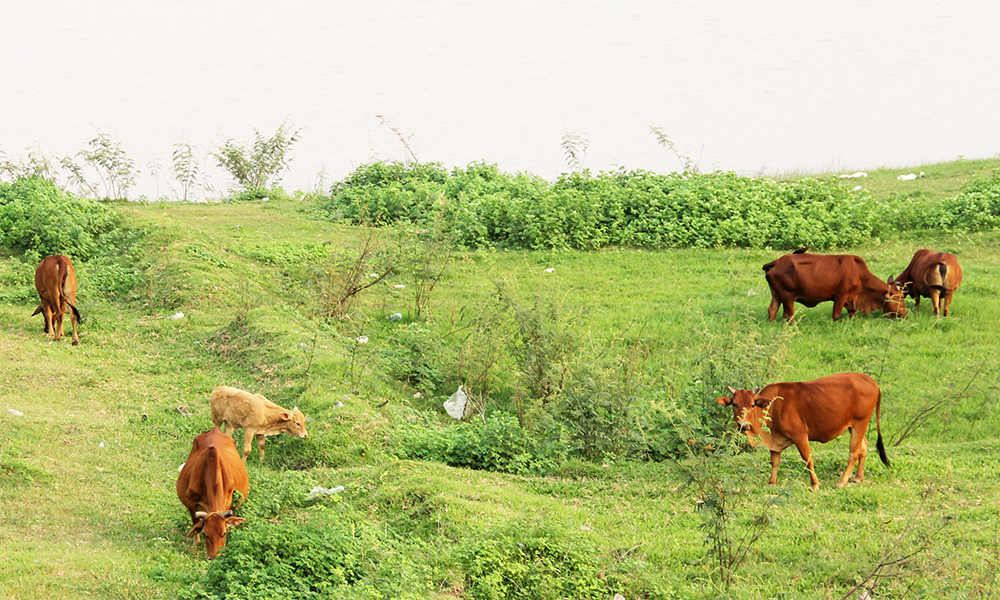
[{"x": 779, "y": 414}]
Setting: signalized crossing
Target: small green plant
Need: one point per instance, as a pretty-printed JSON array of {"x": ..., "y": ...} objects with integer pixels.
[
  {"x": 115, "y": 171},
  {"x": 260, "y": 165},
  {"x": 575, "y": 145},
  {"x": 186, "y": 169}
]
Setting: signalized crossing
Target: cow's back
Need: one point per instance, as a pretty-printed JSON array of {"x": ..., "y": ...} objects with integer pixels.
[
  {"x": 825, "y": 406},
  {"x": 814, "y": 278},
  {"x": 212, "y": 471},
  {"x": 236, "y": 407}
]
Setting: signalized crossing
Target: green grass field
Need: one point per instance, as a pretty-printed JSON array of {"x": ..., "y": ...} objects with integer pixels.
[{"x": 91, "y": 436}]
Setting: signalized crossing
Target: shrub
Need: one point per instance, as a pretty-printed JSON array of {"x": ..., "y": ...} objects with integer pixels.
[
  {"x": 332, "y": 556},
  {"x": 483, "y": 207},
  {"x": 537, "y": 564},
  {"x": 35, "y": 216},
  {"x": 496, "y": 443}
]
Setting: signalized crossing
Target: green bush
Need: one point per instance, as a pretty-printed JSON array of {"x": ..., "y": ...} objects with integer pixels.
[
  {"x": 496, "y": 443},
  {"x": 532, "y": 565},
  {"x": 483, "y": 207},
  {"x": 332, "y": 556},
  {"x": 977, "y": 208},
  {"x": 36, "y": 216}
]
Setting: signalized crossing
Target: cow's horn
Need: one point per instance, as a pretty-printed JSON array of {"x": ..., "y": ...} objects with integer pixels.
[
  {"x": 200, "y": 514},
  {"x": 227, "y": 514},
  {"x": 731, "y": 390}
]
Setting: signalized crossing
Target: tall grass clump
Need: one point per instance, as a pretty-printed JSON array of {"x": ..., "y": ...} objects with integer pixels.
[{"x": 484, "y": 207}]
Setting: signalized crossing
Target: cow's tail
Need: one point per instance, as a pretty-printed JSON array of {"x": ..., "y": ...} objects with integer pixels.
[
  {"x": 63, "y": 273},
  {"x": 878, "y": 427}
]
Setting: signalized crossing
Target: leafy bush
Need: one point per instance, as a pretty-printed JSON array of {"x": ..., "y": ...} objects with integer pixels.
[
  {"x": 330, "y": 557},
  {"x": 531, "y": 565},
  {"x": 496, "y": 443},
  {"x": 35, "y": 216},
  {"x": 977, "y": 208},
  {"x": 482, "y": 207}
]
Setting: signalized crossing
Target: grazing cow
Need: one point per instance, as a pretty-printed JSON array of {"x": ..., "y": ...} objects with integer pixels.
[
  {"x": 255, "y": 414},
  {"x": 55, "y": 281},
  {"x": 843, "y": 279},
  {"x": 205, "y": 486},
  {"x": 935, "y": 275},
  {"x": 818, "y": 411}
]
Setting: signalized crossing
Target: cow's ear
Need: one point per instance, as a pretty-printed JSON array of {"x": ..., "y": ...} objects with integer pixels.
[
  {"x": 724, "y": 400},
  {"x": 762, "y": 402},
  {"x": 286, "y": 416},
  {"x": 234, "y": 521},
  {"x": 196, "y": 529}
]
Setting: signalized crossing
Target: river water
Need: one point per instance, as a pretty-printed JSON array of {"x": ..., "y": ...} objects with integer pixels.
[{"x": 771, "y": 87}]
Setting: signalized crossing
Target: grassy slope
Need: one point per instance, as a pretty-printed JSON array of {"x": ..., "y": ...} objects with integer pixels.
[{"x": 79, "y": 519}]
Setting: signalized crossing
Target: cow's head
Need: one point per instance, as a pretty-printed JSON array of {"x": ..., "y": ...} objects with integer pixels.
[
  {"x": 746, "y": 409},
  {"x": 215, "y": 526},
  {"x": 894, "y": 304},
  {"x": 294, "y": 422}
]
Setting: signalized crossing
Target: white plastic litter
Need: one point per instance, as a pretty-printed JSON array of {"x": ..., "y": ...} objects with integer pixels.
[
  {"x": 338, "y": 405},
  {"x": 16, "y": 413},
  {"x": 101, "y": 445},
  {"x": 907, "y": 177},
  {"x": 858, "y": 188},
  {"x": 549, "y": 270},
  {"x": 455, "y": 406},
  {"x": 326, "y": 492},
  {"x": 176, "y": 316},
  {"x": 395, "y": 316},
  {"x": 854, "y": 175}
]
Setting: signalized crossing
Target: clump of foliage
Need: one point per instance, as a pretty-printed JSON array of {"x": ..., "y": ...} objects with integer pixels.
[
  {"x": 977, "y": 208},
  {"x": 496, "y": 443},
  {"x": 333, "y": 556},
  {"x": 535, "y": 565},
  {"x": 257, "y": 167},
  {"x": 115, "y": 170},
  {"x": 37, "y": 217},
  {"x": 483, "y": 207}
]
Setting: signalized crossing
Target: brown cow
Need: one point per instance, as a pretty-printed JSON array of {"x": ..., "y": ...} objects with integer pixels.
[
  {"x": 843, "y": 279},
  {"x": 935, "y": 275},
  {"x": 55, "y": 281},
  {"x": 255, "y": 414},
  {"x": 205, "y": 486},
  {"x": 818, "y": 411}
]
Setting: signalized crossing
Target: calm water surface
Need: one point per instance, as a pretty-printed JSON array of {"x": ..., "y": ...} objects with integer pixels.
[{"x": 772, "y": 86}]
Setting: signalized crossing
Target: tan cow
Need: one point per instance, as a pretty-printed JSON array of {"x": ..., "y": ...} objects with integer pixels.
[
  {"x": 934, "y": 275},
  {"x": 55, "y": 281},
  {"x": 843, "y": 279},
  {"x": 255, "y": 414},
  {"x": 796, "y": 413},
  {"x": 205, "y": 486}
]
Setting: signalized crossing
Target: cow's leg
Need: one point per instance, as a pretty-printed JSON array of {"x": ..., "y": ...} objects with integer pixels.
[
  {"x": 803, "y": 445},
  {"x": 916, "y": 301},
  {"x": 772, "y": 311},
  {"x": 72, "y": 320},
  {"x": 47, "y": 316},
  {"x": 248, "y": 435},
  {"x": 838, "y": 307},
  {"x": 260, "y": 444},
  {"x": 775, "y": 459},
  {"x": 788, "y": 304},
  {"x": 57, "y": 321},
  {"x": 947, "y": 301},
  {"x": 935, "y": 295},
  {"x": 858, "y": 452}
]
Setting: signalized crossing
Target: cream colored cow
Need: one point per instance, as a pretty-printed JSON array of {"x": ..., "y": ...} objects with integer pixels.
[{"x": 255, "y": 414}]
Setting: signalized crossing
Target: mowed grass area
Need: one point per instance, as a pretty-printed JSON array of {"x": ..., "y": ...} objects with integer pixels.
[{"x": 87, "y": 472}]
